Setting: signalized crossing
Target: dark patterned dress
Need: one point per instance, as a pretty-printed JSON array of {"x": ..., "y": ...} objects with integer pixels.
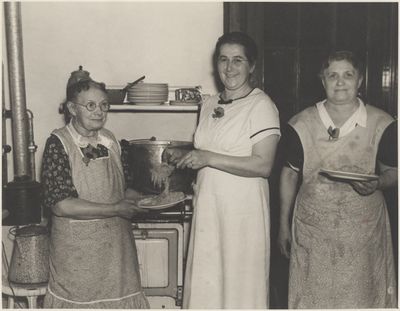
[
  {"x": 56, "y": 174},
  {"x": 93, "y": 263}
]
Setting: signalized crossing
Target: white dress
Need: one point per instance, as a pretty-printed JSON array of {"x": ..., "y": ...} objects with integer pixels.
[{"x": 228, "y": 257}]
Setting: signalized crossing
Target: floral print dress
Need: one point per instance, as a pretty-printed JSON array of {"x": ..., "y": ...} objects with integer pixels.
[{"x": 93, "y": 263}]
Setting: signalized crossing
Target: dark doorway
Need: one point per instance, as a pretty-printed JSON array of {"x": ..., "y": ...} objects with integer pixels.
[{"x": 292, "y": 39}]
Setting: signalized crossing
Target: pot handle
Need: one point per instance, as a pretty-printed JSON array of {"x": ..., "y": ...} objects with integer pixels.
[
  {"x": 152, "y": 138},
  {"x": 133, "y": 83},
  {"x": 172, "y": 155}
]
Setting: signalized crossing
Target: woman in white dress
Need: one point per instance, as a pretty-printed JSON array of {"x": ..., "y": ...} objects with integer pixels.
[{"x": 235, "y": 141}]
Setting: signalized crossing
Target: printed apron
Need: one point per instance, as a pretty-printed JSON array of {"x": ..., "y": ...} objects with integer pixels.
[
  {"x": 93, "y": 263},
  {"x": 341, "y": 255}
]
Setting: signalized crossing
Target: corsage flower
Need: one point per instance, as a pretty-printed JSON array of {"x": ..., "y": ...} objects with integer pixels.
[
  {"x": 92, "y": 153},
  {"x": 218, "y": 113}
]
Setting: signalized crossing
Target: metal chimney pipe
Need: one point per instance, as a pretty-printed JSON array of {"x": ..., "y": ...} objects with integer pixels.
[
  {"x": 13, "y": 28},
  {"x": 31, "y": 146}
]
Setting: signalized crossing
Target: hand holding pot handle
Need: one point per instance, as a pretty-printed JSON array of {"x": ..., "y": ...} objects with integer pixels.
[{"x": 172, "y": 155}]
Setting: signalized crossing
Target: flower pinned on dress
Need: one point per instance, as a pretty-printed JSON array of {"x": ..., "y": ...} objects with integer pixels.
[
  {"x": 91, "y": 153},
  {"x": 333, "y": 133},
  {"x": 218, "y": 113}
]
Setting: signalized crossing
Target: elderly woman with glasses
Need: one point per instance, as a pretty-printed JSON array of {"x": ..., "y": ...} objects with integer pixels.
[
  {"x": 93, "y": 258},
  {"x": 236, "y": 139}
]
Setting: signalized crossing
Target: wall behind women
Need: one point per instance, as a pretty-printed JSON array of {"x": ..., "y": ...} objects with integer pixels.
[{"x": 168, "y": 42}]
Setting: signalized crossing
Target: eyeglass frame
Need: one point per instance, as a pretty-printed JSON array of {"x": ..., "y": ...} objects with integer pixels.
[
  {"x": 236, "y": 61},
  {"x": 96, "y": 105}
]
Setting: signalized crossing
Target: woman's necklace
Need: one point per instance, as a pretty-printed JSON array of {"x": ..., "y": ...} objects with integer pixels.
[{"x": 220, "y": 111}]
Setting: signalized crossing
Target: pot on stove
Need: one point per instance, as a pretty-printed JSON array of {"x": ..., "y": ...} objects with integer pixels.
[{"x": 144, "y": 154}]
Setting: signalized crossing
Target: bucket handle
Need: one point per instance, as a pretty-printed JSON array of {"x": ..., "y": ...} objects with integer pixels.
[{"x": 13, "y": 231}]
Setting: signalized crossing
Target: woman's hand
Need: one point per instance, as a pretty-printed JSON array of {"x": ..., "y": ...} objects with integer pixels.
[
  {"x": 133, "y": 195},
  {"x": 128, "y": 209},
  {"x": 287, "y": 193},
  {"x": 365, "y": 187},
  {"x": 82, "y": 209},
  {"x": 284, "y": 241},
  {"x": 195, "y": 159},
  {"x": 172, "y": 155}
]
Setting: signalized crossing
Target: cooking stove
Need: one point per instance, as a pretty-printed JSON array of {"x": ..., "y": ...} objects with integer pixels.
[
  {"x": 179, "y": 213},
  {"x": 162, "y": 238}
]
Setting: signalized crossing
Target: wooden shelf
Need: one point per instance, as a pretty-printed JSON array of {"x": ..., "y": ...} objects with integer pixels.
[{"x": 161, "y": 108}]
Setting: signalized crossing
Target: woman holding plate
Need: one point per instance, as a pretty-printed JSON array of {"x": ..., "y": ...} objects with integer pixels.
[
  {"x": 340, "y": 242},
  {"x": 93, "y": 257}
]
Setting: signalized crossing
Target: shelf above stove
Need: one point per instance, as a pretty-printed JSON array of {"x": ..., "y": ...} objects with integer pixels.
[{"x": 129, "y": 107}]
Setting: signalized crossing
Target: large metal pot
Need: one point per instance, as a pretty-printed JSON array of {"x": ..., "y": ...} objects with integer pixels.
[{"x": 145, "y": 154}]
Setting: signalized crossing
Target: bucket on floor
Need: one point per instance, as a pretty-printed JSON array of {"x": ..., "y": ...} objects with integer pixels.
[{"x": 30, "y": 257}]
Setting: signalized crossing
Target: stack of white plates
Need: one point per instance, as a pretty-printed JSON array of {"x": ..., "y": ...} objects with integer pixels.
[{"x": 148, "y": 94}]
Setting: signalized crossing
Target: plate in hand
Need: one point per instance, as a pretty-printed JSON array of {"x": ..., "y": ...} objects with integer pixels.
[
  {"x": 156, "y": 201},
  {"x": 349, "y": 176}
]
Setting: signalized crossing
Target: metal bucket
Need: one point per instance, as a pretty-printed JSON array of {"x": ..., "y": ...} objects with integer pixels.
[
  {"x": 30, "y": 257},
  {"x": 144, "y": 154}
]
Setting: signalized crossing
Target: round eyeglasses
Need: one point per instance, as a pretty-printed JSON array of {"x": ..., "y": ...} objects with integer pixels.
[
  {"x": 235, "y": 61},
  {"x": 91, "y": 106}
]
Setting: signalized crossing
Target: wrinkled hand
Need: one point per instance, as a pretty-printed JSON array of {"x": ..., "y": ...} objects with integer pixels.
[
  {"x": 195, "y": 159},
  {"x": 172, "y": 155},
  {"x": 128, "y": 208},
  {"x": 284, "y": 241},
  {"x": 365, "y": 187}
]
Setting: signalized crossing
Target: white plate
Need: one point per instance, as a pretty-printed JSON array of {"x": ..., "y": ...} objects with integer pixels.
[
  {"x": 146, "y": 92},
  {"x": 148, "y": 96},
  {"x": 144, "y": 84},
  {"x": 156, "y": 103},
  {"x": 349, "y": 176},
  {"x": 146, "y": 100},
  {"x": 130, "y": 91},
  {"x": 159, "y": 206},
  {"x": 147, "y": 88}
]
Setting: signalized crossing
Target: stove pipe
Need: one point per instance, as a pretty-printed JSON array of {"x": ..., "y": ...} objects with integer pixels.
[
  {"x": 13, "y": 25},
  {"x": 23, "y": 195}
]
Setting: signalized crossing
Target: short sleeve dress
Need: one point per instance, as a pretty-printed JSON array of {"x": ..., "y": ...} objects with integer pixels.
[{"x": 228, "y": 258}]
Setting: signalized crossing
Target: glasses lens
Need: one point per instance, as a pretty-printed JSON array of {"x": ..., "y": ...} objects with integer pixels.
[
  {"x": 104, "y": 107},
  {"x": 237, "y": 62},
  {"x": 91, "y": 106},
  {"x": 222, "y": 60}
]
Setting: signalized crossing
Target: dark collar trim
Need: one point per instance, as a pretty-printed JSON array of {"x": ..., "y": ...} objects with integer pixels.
[{"x": 230, "y": 101}]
